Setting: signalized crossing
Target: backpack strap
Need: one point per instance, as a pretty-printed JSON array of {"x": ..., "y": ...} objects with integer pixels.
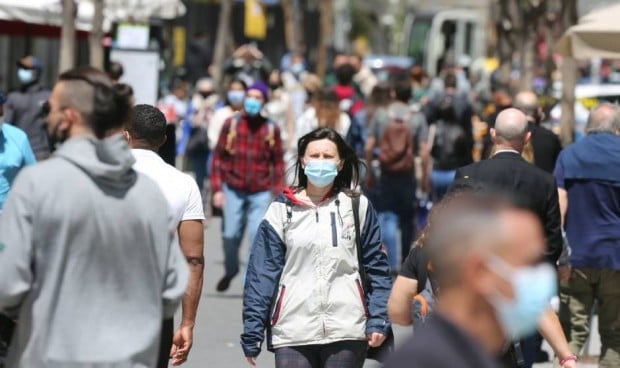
[
  {"x": 232, "y": 133},
  {"x": 270, "y": 138},
  {"x": 358, "y": 240}
]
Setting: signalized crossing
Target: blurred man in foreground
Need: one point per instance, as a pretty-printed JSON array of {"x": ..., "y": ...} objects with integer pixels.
[
  {"x": 488, "y": 264},
  {"x": 88, "y": 262}
]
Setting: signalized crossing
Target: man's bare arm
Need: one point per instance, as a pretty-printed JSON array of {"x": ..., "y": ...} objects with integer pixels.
[
  {"x": 191, "y": 240},
  {"x": 399, "y": 303}
]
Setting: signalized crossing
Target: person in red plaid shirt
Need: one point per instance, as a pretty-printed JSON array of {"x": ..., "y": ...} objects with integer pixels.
[{"x": 247, "y": 169}]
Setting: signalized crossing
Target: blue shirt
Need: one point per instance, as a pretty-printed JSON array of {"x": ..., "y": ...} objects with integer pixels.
[
  {"x": 15, "y": 153},
  {"x": 593, "y": 215}
]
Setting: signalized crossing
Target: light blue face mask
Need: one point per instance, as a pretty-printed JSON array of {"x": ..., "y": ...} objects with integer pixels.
[
  {"x": 235, "y": 97},
  {"x": 252, "y": 106},
  {"x": 532, "y": 287},
  {"x": 25, "y": 76},
  {"x": 297, "y": 69},
  {"x": 321, "y": 173}
]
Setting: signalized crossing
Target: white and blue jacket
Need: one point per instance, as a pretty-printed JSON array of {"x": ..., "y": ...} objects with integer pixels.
[{"x": 303, "y": 284}]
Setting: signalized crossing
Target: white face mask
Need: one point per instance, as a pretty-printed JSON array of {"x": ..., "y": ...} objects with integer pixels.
[
  {"x": 532, "y": 287},
  {"x": 25, "y": 76}
]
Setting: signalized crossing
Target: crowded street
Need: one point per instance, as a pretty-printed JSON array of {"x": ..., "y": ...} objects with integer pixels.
[
  {"x": 217, "y": 343},
  {"x": 310, "y": 183}
]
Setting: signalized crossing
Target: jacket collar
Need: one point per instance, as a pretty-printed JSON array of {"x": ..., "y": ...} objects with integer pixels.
[{"x": 508, "y": 155}]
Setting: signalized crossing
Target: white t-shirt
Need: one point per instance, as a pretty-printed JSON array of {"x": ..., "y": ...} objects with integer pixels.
[{"x": 180, "y": 189}]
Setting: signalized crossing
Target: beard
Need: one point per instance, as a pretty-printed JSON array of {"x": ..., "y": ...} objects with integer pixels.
[{"x": 57, "y": 137}]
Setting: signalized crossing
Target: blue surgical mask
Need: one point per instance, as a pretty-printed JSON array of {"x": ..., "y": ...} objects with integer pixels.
[
  {"x": 252, "y": 106},
  {"x": 235, "y": 97},
  {"x": 321, "y": 173},
  {"x": 297, "y": 68},
  {"x": 532, "y": 287},
  {"x": 25, "y": 76}
]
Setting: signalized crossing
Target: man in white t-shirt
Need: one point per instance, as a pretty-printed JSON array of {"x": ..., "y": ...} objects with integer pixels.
[{"x": 146, "y": 132}]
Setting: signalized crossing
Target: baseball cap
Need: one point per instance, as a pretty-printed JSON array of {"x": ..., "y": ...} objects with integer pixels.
[{"x": 30, "y": 62}]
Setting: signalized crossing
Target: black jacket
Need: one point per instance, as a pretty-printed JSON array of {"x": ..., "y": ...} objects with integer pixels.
[
  {"x": 441, "y": 344},
  {"x": 531, "y": 187},
  {"x": 23, "y": 109},
  {"x": 547, "y": 147}
]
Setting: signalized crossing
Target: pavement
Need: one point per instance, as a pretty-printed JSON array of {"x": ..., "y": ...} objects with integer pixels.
[{"x": 219, "y": 323}]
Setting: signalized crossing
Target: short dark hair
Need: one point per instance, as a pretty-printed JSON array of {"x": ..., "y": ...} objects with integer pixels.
[
  {"x": 449, "y": 81},
  {"x": 344, "y": 74},
  {"x": 91, "y": 93},
  {"x": 147, "y": 124},
  {"x": 348, "y": 177},
  {"x": 402, "y": 91}
]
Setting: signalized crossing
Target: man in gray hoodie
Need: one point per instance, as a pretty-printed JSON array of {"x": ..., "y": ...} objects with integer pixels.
[{"x": 88, "y": 262}]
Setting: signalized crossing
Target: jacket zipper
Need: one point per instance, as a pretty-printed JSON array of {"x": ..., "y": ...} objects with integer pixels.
[
  {"x": 276, "y": 313},
  {"x": 360, "y": 291},
  {"x": 334, "y": 230}
]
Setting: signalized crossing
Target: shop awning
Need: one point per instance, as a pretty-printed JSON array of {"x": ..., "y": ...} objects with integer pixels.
[{"x": 49, "y": 12}]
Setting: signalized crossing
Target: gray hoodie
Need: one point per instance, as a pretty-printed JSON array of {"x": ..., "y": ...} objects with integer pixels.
[{"x": 88, "y": 264}]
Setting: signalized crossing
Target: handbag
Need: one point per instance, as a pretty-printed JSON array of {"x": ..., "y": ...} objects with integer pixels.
[
  {"x": 198, "y": 140},
  {"x": 380, "y": 352}
]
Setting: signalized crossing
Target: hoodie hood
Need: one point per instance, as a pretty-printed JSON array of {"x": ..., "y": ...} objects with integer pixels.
[
  {"x": 595, "y": 157},
  {"x": 108, "y": 161}
]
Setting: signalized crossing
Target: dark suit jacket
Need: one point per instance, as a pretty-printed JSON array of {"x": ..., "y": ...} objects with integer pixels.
[{"x": 531, "y": 187}]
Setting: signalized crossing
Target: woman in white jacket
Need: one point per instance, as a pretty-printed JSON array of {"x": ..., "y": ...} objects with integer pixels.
[{"x": 303, "y": 283}]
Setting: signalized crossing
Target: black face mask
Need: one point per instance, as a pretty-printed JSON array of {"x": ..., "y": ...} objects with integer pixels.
[
  {"x": 205, "y": 94},
  {"x": 274, "y": 86}
]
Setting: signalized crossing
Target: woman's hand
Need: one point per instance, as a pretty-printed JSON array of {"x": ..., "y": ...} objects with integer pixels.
[
  {"x": 375, "y": 339},
  {"x": 251, "y": 360}
]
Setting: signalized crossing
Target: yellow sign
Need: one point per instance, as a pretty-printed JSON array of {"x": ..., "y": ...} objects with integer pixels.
[
  {"x": 255, "y": 26},
  {"x": 178, "y": 42}
]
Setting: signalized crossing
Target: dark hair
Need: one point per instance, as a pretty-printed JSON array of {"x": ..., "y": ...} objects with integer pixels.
[
  {"x": 344, "y": 74},
  {"x": 242, "y": 83},
  {"x": 115, "y": 70},
  {"x": 348, "y": 177},
  {"x": 147, "y": 124},
  {"x": 449, "y": 81},
  {"x": 109, "y": 108},
  {"x": 446, "y": 110},
  {"x": 402, "y": 91},
  {"x": 124, "y": 89}
]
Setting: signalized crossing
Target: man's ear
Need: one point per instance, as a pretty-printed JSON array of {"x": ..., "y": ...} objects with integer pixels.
[
  {"x": 528, "y": 136},
  {"x": 477, "y": 274},
  {"x": 127, "y": 136},
  {"x": 163, "y": 140},
  {"x": 493, "y": 133}
]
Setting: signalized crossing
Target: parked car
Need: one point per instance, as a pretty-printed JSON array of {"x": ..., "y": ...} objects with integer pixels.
[{"x": 389, "y": 67}]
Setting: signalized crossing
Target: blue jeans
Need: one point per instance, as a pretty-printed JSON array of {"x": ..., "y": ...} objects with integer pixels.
[
  {"x": 441, "y": 181},
  {"x": 389, "y": 223},
  {"x": 198, "y": 161},
  {"x": 240, "y": 209}
]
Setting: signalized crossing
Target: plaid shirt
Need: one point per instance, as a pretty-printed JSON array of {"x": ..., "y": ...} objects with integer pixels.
[{"x": 254, "y": 166}]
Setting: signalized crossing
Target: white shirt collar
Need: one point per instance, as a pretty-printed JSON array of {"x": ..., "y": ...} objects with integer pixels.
[{"x": 507, "y": 150}]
